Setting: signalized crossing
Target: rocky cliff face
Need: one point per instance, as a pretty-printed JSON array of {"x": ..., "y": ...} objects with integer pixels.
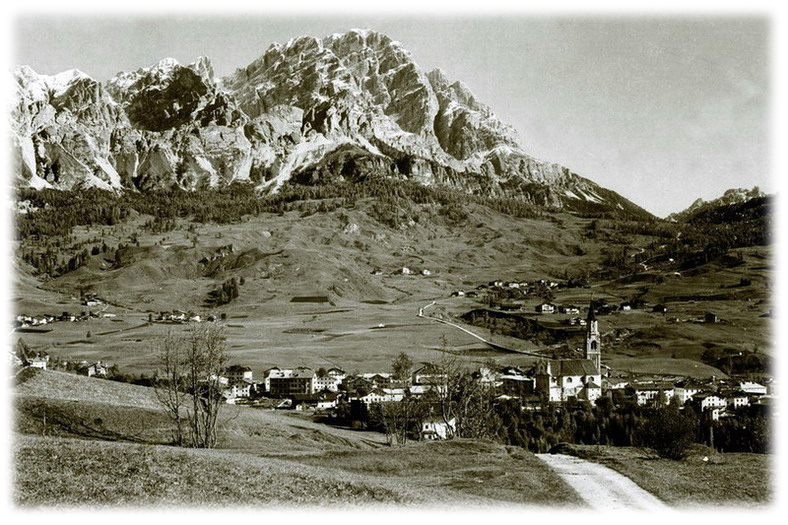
[{"x": 308, "y": 111}]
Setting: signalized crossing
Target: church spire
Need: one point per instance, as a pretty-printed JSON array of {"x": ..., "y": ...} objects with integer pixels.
[
  {"x": 591, "y": 315},
  {"x": 593, "y": 339}
]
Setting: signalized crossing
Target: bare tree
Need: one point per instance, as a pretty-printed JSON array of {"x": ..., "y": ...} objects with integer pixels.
[
  {"x": 171, "y": 381},
  {"x": 466, "y": 406},
  {"x": 206, "y": 358},
  {"x": 397, "y": 417}
]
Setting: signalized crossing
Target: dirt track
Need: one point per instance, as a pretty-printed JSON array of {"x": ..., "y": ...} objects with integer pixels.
[{"x": 600, "y": 487}]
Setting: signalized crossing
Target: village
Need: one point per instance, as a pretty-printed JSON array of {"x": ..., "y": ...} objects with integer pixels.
[{"x": 334, "y": 393}]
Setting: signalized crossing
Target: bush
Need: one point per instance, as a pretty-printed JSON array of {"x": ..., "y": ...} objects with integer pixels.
[{"x": 669, "y": 432}]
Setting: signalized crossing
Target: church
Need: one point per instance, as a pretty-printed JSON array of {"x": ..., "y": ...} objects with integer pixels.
[{"x": 561, "y": 379}]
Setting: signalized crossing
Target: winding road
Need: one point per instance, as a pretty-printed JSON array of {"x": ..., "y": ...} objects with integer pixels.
[
  {"x": 600, "y": 487},
  {"x": 476, "y": 336}
]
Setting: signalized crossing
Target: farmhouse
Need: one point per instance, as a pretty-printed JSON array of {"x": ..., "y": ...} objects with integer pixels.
[
  {"x": 96, "y": 369},
  {"x": 545, "y": 308},
  {"x": 435, "y": 428},
  {"x": 569, "y": 309},
  {"x": 39, "y": 361}
]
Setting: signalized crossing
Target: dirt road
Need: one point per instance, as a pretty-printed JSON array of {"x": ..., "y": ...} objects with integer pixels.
[{"x": 600, "y": 487}]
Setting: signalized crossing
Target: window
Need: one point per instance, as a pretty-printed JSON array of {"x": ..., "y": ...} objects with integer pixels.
[{"x": 593, "y": 345}]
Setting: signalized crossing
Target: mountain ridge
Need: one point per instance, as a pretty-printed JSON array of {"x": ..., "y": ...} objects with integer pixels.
[
  {"x": 729, "y": 197},
  {"x": 271, "y": 121}
]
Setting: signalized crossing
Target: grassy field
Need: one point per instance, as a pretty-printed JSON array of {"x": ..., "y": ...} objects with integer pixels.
[
  {"x": 369, "y": 318},
  {"x": 729, "y": 479},
  {"x": 263, "y": 457}
]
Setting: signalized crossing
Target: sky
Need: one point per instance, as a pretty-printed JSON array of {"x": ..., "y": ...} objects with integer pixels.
[{"x": 662, "y": 109}]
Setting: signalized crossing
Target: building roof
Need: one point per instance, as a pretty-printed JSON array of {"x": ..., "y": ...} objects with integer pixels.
[
  {"x": 591, "y": 315},
  {"x": 238, "y": 368},
  {"x": 572, "y": 367}
]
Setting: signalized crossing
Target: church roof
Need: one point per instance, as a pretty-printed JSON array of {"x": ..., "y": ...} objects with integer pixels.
[{"x": 572, "y": 367}]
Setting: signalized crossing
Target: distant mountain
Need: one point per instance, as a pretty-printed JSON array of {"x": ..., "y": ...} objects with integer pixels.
[
  {"x": 310, "y": 111},
  {"x": 701, "y": 207}
]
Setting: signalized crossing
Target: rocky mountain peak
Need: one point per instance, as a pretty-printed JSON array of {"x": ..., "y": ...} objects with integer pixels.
[
  {"x": 304, "y": 111},
  {"x": 730, "y": 196}
]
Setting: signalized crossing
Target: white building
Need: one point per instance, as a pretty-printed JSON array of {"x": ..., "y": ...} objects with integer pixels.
[
  {"x": 435, "y": 428},
  {"x": 685, "y": 390},
  {"x": 750, "y": 387},
  {"x": 330, "y": 381}
]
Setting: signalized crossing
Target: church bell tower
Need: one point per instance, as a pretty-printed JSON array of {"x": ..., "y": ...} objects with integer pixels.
[{"x": 593, "y": 341}]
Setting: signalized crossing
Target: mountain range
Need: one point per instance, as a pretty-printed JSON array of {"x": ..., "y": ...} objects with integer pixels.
[
  {"x": 731, "y": 197},
  {"x": 311, "y": 111}
]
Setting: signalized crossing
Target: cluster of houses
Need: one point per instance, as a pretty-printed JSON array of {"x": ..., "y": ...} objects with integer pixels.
[
  {"x": 23, "y": 320},
  {"x": 303, "y": 388},
  {"x": 719, "y": 398},
  {"x": 178, "y": 316},
  {"x": 21, "y": 358}
]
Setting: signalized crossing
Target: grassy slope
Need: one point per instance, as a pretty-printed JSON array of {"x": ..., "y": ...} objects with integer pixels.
[
  {"x": 264, "y": 458},
  {"x": 725, "y": 479},
  {"x": 293, "y": 255}
]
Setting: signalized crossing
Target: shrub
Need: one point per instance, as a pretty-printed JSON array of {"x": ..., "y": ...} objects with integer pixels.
[{"x": 669, "y": 432}]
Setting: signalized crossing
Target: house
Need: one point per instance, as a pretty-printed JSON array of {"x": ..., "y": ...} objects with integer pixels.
[
  {"x": 685, "y": 389},
  {"x": 317, "y": 401},
  {"x": 419, "y": 390},
  {"x": 39, "y": 361},
  {"x": 236, "y": 373},
  {"x": 737, "y": 399},
  {"x": 488, "y": 377},
  {"x": 267, "y": 375},
  {"x": 377, "y": 395},
  {"x": 626, "y": 307},
  {"x": 651, "y": 392},
  {"x": 426, "y": 272},
  {"x": 429, "y": 374},
  {"x": 517, "y": 385},
  {"x": 545, "y": 308},
  {"x": 569, "y": 309},
  {"x": 710, "y": 403},
  {"x": 710, "y": 317},
  {"x": 96, "y": 369},
  {"x": 706, "y": 401},
  {"x": 435, "y": 428},
  {"x": 610, "y": 383},
  {"x": 288, "y": 382},
  {"x": 405, "y": 271},
  {"x": 330, "y": 380},
  {"x": 378, "y": 378},
  {"x": 750, "y": 387},
  {"x": 395, "y": 394},
  {"x": 236, "y": 390}
]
